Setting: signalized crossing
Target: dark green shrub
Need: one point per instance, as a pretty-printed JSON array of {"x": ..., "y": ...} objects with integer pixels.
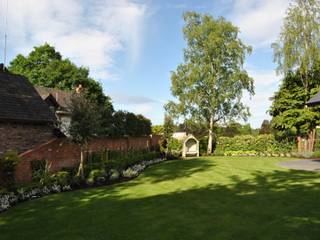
[
  {"x": 203, "y": 145},
  {"x": 62, "y": 178},
  {"x": 8, "y": 163},
  {"x": 96, "y": 176},
  {"x": 40, "y": 172}
]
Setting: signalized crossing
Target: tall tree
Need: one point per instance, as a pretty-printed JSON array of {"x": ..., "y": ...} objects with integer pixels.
[
  {"x": 85, "y": 124},
  {"x": 297, "y": 54},
  {"x": 291, "y": 118},
  {"x": 297, "y": 48},
  {"x": 44, "y": 66},
  {"x": 210, "y": 83}
]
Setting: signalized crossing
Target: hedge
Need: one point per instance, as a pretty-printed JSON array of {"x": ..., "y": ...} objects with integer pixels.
[{"x": 252, "y": 145}]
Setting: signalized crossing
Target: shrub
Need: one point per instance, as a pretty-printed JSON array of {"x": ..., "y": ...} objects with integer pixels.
[
  {"x": 253, "y": 145},
  {"x": 114, "y": 174},
  {"x": 62, "y": 178},
  {"x": 174, "y": 145},
  {"x": 97, "y": 176},
  {"x": 316, "y": 154},
  {"x": 40, "y": 172},
  {"x": 8, "y": 163}
]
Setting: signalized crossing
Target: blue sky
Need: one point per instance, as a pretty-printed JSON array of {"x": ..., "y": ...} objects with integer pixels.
[{"x": 131, "y": 46}]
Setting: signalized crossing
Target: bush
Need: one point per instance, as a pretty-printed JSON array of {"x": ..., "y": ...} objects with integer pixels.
[
  {"x": 121, "y": 160},
  {"x": 97, "y": 176},
  {"x": 114, "y": 174},
  {"x": 316, "y": 154},
  {"x": 40, "y": 172},
  {"x": 8, "y": 163},
  {"x": 62, "y": 178},
  {"x": 174, "y": 145},
  {"x": 253, "y": 145}
]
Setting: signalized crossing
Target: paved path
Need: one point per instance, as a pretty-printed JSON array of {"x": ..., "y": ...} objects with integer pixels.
[{"x": 307, "y": 164}]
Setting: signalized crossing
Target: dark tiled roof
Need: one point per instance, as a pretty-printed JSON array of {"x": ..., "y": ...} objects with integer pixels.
[
  {"x": 19, "y": 101},
  {"x": 63, "y": 98},
  {"x": 314, "y": 100}
]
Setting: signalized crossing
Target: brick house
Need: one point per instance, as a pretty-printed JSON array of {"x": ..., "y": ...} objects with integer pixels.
[
  {"x": 59, "y": 102},
  {"x": 25, "y": 119}
]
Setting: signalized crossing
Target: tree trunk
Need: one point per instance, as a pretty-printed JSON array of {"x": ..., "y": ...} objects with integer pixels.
[
  {"x": 81, "y": 165},
  {"x": 311, "y": 140},
  {"x": 210, "y": 137}
]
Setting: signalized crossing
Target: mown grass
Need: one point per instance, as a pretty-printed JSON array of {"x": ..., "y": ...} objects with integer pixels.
[{"x": 204, "y": 198}]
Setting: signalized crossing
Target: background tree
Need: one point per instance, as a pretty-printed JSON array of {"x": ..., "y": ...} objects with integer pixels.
[
  {"x": 157, "y": 129},
  {"x": 265, "y": 127},
  {"x": 168, "y": 127},
  {"x": 44, "y": 66},
  {"x": 297, "y": 49},
  {"x": 290, "y": 116},
  {"x": 85, "y": 124},
  {"x": 210, "y": 83},
  {"x": 297, "y": 54},
  {"x": 128, "y": 124}
]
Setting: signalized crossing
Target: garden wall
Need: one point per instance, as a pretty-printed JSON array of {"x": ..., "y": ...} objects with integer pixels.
[
  {"x": 62, "y": 153},
  {"x": 23, "y": 136}
]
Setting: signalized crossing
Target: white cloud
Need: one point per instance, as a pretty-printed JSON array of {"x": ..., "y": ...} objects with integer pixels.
[
  {"x": 264, "y": 78},
  {"x": 259, "y": 21},
  {"x": 266, "y": 83},
  {"x": 139, "y": 105},
  {"x": 131, "y": 100},
  {"x": 88, "y": 32}
]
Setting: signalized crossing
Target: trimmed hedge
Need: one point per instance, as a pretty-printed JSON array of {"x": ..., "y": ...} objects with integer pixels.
[{"x": 264, "y": 145}]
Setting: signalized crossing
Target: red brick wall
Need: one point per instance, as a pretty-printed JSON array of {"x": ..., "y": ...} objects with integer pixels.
[
  {"x": 62, "y": 153},
  {"x": 22, "y": 136}
]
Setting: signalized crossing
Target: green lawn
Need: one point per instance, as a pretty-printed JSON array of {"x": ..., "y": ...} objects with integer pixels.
[{"x": 204, "y": 198}]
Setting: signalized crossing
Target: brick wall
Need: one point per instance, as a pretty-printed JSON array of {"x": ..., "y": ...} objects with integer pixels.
[
  {"x": 22, "y": 136},
  {"x": 62, "y": 153}
]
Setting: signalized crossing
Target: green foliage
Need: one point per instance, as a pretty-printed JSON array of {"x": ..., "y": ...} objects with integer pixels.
[
  {"x": 316, "y": 154},
  {"x": 297, "y": 53},
  {"x": 97, "y": 176},
  {"x": 299, "y": 40},
  {"x": 234, "y": 128},
  {"x": 62, "y": 178},
  {"x": 44, "y": 66},
  {"x": 248, "y": 144},
  {"x": 40, "y": 172},
  {"x": 120, "y": 160},
  {"x": 129, "y": 124},
  {"x": 8, "y": 163},
  {"x": 174, "y": 145},
  {"x": 157, "y": 129},
  {"x": 265, "y": 127},
  {"x": 85, "y": 120},
  {"x": 168, "y": 127},
  {"x": 290, "y": 116},
  {"x": 193, "y": 126},
  {"x": 210, "y": 83}
]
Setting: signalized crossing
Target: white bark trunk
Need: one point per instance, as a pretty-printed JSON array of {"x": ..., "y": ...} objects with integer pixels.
[
  {"x": 210, "y": 137},
  {"x": 80, "y": 170}
]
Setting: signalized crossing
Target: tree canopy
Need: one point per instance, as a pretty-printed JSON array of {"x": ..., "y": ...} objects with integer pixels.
[
  {"x": 297, "y": 54},
  {"x": 297, "y": 48},
  {"x": 291, "y": 117},
  {"x": 129, "y": 124},
  {"x": 44, "y": 66},
  {"x": 210, "y": 82}
]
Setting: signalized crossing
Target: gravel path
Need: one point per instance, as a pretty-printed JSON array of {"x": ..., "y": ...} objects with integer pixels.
[{"x": 306, "y": 164}]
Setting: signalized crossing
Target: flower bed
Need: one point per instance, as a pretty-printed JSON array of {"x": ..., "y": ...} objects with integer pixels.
[{"x": 10, "y": 199}]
